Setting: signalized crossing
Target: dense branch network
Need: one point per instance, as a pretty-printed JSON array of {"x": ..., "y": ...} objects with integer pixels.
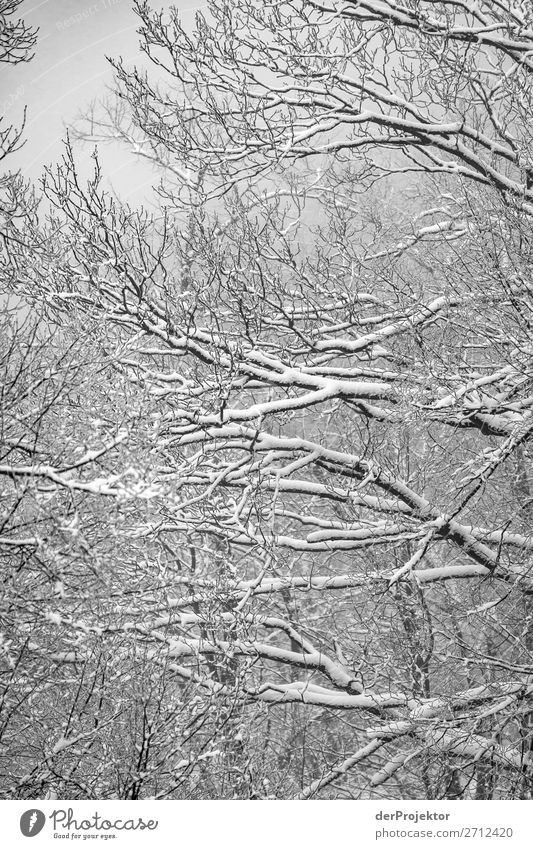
[{"x": 295, "y": 409}]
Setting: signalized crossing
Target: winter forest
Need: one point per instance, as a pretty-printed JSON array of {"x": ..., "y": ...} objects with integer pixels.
[{"x": 266, "y": 447}]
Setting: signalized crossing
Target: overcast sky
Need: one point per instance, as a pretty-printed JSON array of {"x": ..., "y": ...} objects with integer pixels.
[{"x": 70, "y": 70}]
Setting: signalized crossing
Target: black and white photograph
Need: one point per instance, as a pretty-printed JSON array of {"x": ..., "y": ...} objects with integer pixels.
[{"x": 266, "y": 410}]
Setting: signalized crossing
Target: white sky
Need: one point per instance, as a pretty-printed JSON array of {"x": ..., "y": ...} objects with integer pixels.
[{"x": 68, "y": 71}]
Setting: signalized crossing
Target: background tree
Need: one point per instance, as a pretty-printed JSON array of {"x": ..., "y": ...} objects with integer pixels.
[
  {"x": 17, "y": 40},
  {"x": 314, "y": 382}
]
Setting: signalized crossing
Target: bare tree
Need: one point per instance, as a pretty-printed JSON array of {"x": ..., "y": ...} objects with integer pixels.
[
  {"x": 17, "y": 40},
  {"x": 316, "y": 394}
]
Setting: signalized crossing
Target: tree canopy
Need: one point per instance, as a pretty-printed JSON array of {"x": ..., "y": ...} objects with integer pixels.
[{"x": 266, "y": 463}]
